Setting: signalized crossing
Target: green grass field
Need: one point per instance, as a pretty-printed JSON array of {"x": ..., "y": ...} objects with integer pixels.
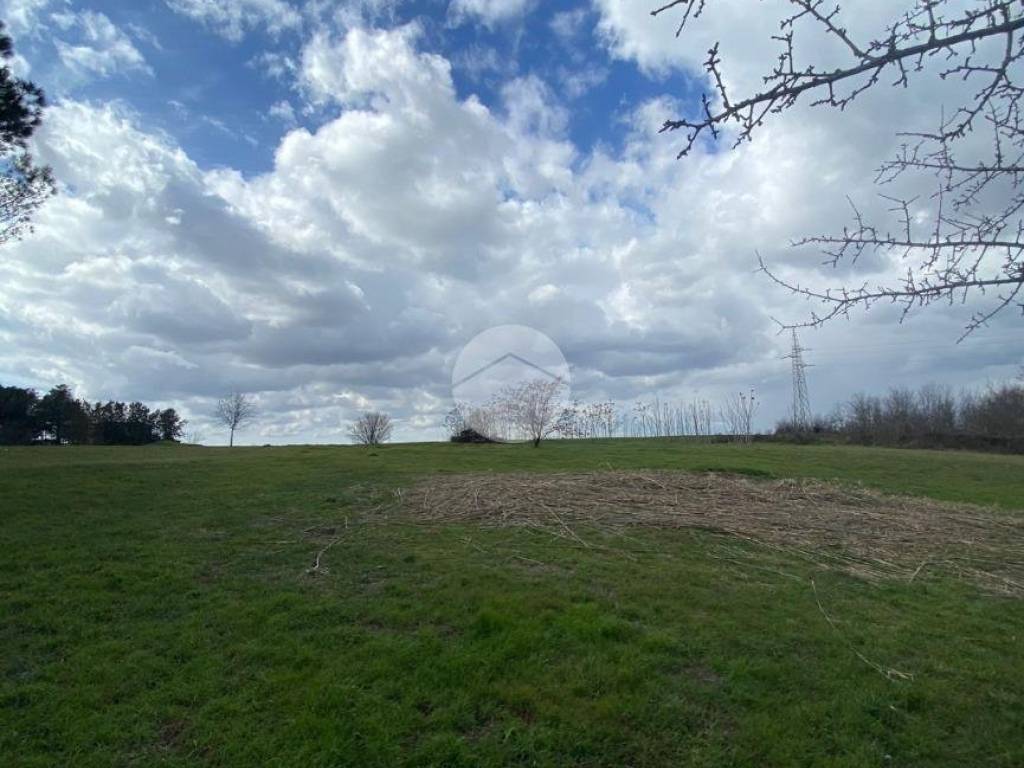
[{"x": 157, "y": 610}]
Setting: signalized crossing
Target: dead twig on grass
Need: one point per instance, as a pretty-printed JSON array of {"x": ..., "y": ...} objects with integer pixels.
[
  {"x": 888, "y": 672},
  {"x": 318, "y": 567}
]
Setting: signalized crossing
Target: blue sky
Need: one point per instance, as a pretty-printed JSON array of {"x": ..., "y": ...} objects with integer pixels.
[
  {"x": 322, "y": 203},
  {"x": 214, "y": 94}
]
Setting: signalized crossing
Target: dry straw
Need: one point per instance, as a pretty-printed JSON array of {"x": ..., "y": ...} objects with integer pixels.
[{"x": 856, "y": 530}]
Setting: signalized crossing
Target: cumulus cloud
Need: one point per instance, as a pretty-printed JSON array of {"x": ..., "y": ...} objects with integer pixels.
[
  {"x": 141, "y": 282},
  {"x": 100, "y": 48},
  {"x": 365, "y": 63},
  {"x": 412, "y": 217}
]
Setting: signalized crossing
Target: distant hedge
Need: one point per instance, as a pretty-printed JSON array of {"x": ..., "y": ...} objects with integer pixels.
[{"x": 930, "y": 417}]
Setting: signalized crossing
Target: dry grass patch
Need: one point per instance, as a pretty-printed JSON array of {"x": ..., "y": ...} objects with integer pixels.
[{"x": 854, "y": 529}]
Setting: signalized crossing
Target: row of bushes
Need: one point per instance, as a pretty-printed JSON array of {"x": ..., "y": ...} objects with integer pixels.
[
  {"x": 930, "y": 417},
  {"x": 59, "y": 417}
]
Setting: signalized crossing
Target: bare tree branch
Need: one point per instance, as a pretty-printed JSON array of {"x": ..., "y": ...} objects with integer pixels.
[
  {"x": 965, "y": 243},
  {"x": 787, "y": 81}
]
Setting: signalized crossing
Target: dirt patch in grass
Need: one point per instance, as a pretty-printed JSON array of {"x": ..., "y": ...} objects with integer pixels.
[
  {"x": 704, "y": 675},
  {"x": 172, "y": 734},
  {"x": 874, "y": 535}
]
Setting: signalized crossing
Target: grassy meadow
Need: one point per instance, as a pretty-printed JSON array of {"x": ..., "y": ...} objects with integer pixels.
[{"x": 157, "y": 609}]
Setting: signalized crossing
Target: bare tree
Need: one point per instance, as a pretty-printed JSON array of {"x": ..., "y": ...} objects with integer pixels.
[
  {"x": 699, "y": 414},
  {"x": 933, "y": 416},
  {"x": 570, "y": 423},
  {"x": 738, "y": 415},
  {"x": 234, "y": 411},
  {"x": 534, "y": 407},
  {"x": 998, "y": 411},
  {"x": 372, "y": 428},
  {"x": 489, "y": 419},
  {"x": 972, "y": 243},
  {"x": 455, "y": 421}
]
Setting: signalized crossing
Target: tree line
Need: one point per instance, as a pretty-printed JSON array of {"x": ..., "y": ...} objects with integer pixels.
[
  {"x": 929, "y": 417},
  {"x": 536, "y": 410},
  {"x": 732, "y": 417},
  {"x": 60, "y": 418}
]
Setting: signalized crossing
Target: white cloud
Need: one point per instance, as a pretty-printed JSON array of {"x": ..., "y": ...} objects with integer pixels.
[
  {"x": 532, "y": 108},
  {"x": 100, "y": 48},
  {"x": 490, "y": 12},
  {"x": 275, "y": 65},
  {"x": 283, "y": 111},
  {"x": 234, "y": 18},
  {"x": 743, "y": 31},
  {"x": 568, "y": 24},
  {"x": 479, "y": 62},
  {"x": 19, "y": 66},
  {"x": 365, "y": 63},
  {"x": 577, "y": 82},
  {"x": 144, "y": 35},
  {"x": 412, "y": 218},
  {"x": 22, "y": 16}
]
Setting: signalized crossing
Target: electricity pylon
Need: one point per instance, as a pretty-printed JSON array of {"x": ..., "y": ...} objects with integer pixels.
[{"x": 801, "y": 401}]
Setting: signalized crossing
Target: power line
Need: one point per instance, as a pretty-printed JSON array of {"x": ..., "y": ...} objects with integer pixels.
[{"x": 915, "y": 347}]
